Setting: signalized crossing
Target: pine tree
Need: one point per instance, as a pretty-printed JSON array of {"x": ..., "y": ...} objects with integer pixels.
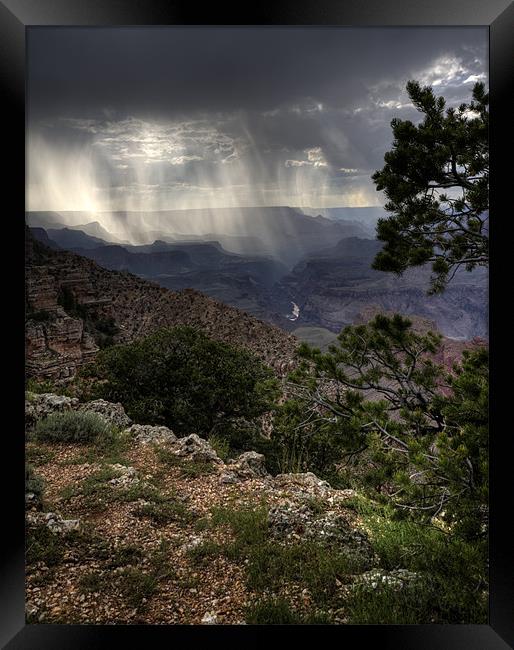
[{"x": 436, "y": 179}]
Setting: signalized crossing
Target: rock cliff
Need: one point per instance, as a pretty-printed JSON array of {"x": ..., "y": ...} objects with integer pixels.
[{"x": 70, "y": 300}]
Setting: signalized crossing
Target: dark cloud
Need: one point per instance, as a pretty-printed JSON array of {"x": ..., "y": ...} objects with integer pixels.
[{"x": 233, "y": 110}]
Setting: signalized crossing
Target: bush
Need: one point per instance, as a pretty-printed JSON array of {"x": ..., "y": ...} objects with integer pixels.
[
  {"x": 452, "y": 585},
  {"x": 297, "y": 446},
  {"x": 137, "y": 587},
  {"x": 33, "y": 485},
  {"x": 181, "y": 378},
  {"x": 73, "y": 426},
  {"x": 41, "y": 545}
]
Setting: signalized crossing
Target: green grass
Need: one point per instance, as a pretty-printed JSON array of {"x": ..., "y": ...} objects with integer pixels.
[
  {"x": 249, "y": 525},
  {"x": 204, "y": 552},
  {"x": 309, "y": 564},
  {"x": 160, "y": 563},
  {"x": 277, "y": 611},
  {"x": 97, "y": 494},
  {"x": 221, "y": 446},
  {"x": 34, "y": 484},
  {"x": 271, "y": 565},
  {"x": 107, "y": 449}
]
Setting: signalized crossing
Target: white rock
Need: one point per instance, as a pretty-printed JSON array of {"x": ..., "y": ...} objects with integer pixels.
[{"x": 210, "y": 618}]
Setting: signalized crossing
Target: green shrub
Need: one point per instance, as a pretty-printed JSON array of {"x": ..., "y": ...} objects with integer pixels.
[
  {"x": 41, "y": 545},
  {"x": 181, "y": 378},
  {"x": 125, "y": 555},
  {"x": 137, "y": 586},
  {"x": 73, "y": 426},
  {"x": 33, "y": 484},
  {"x": 171, "y": 510},
  {"x": 296, "y": 446},
  {"x": 453, "y": 576},
  {"x": 93, "y": 582}
]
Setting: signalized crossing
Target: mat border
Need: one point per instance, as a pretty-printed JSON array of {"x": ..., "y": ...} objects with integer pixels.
[{"x": 16, "y": 16}]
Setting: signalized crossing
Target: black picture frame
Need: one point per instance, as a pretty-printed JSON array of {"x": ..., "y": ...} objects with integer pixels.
[{"x": 18, "y": 15}]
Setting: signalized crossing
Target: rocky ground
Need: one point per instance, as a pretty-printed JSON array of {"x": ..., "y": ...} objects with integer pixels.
[{"x": 155, "y": 529}]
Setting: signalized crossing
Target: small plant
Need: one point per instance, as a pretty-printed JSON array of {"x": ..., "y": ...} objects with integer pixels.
[
  {"x": 125, "y": 555},
  {"x": 221, "y": 446},
  {"x": 137, "y": 587},
  {"x": 160, "y": 563},
  {"x": 38, "y": 455},
  {"x": 249, "y": 526},
  {"x": 92, "y": 582},
  {"x": 33, "y": 484},
  {"x": 34, "y": 385},
  {"x": 171, "y": 510},
  {"x": 43, "y": 546},
  {"x": 204, "y": 551},
  {"x": 73, "y": 426}
]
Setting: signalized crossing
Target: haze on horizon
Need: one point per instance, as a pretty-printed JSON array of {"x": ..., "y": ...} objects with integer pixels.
[{"x": 146, "y": 119}]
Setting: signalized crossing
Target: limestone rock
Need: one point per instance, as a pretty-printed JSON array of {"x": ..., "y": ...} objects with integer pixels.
[
  {"x": 397, "y": 579},
  {"x": 40, "y": 405},
  {"x": 127, "y": 476},
  {"x": 210, "y": 618},
  {"x": 145, "y": 434},
  {"x": 112, "y": 413},
  {"x": 306, "y": 483},
  {"x": 195, "y": 448},
  {"x": 295, "y": 521},
  {"x": 54, "y": 522},
  {"x": 228, "y": 478},
  {"x": 248, "y": 465}
]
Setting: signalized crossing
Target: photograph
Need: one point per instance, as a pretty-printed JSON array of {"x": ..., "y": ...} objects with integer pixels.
[{"x": 257, "y": 325}]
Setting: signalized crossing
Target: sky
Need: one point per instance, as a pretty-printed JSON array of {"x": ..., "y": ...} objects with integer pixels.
[{"x": 176, "y": 118}]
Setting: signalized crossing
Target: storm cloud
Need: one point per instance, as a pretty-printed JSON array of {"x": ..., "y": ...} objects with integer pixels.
[{"x": 164, "y": 118}]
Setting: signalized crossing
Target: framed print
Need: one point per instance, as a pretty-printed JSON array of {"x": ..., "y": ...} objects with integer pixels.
[{"x": 261, "y": 354}]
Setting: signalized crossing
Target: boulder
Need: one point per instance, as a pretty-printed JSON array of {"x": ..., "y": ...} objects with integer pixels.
[
  {"x": 195, "y": 448},
  {"x": 54, "y": 522},
  {"x": 397, "y": 579},
  {"x": 248, "y": 465},
  {"x": 112, "y": 413},
  {"x": 210, "y": 618},
  {"x": 293, "y": 521},
  {"x": 127, "y": 476},
  {"x": 307, "y": 483},
  {"x": 40, "y": 405},
  {"x": 146, "y": 434}
]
